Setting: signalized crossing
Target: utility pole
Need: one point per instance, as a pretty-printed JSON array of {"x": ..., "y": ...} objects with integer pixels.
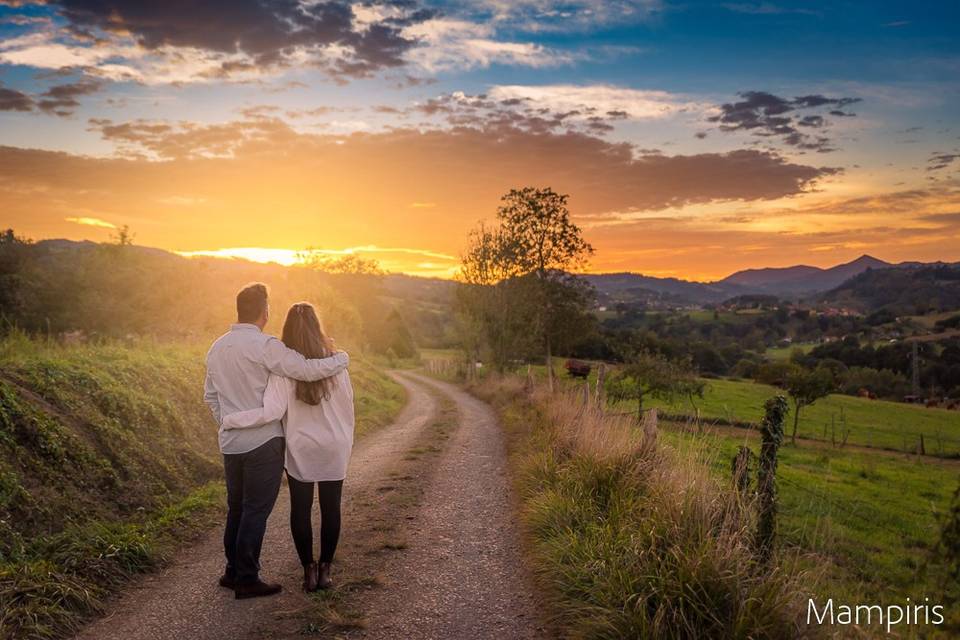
[{"x": 916, "y": 368}]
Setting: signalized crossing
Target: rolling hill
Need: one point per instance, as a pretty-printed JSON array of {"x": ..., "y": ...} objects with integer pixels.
[
  {"x": 802, "y": 279},
  {"x": 903, "y": 291}
]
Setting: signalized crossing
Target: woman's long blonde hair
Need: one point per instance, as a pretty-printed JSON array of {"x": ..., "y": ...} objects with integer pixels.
[{"x": 303, "y": 332}]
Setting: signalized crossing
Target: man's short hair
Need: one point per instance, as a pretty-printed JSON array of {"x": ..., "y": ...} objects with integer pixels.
[{"x": 251, "y": 302}]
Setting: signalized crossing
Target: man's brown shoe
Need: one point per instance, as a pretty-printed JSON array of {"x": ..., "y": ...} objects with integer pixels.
[
  {"x": 257, "y": 589},
  {"x": 323, "y": 576},
  {"x": 228, "y": 581},
  {"x": 310, "y": 577}
]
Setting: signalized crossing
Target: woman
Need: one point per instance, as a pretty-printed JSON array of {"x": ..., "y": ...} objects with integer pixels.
[{"x": 318, "y": 420}]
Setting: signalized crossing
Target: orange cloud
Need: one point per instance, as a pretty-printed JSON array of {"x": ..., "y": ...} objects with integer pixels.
[{"x": 261, "y": 184}]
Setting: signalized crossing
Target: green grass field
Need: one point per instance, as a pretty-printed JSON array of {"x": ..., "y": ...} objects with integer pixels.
[
  {"x": 874, "y": 423},
  {"x": 784, "y": 353},
  {"x": 730, "y": 317},
  {"x": 869, "y": 519},
  {"x": 871, "y": 423}
]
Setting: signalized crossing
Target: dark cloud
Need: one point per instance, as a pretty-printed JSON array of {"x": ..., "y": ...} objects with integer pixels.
[
  {"x": 62, "y": 100},
  {"x": 940, "y": 160},
  {"x": 266, "y": 30},
  {"x": 163, "y": 140},
  {"x": 765, "y": 114},
  {"x": 480, "y": 111},
  {"x": 943, "y": 219},
  {"x": 811, "y": 121},
  {"x": 13, "y": 100},
  {"x": 903, "y": 203}
]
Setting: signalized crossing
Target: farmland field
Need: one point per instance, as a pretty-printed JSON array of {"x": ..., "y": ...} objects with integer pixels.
[
  {"x": 874, "y": 423},
  {"x": 868, "y": 519},
  {"x": 871, "y": 423},
  {"x": 784, "y": 353}
]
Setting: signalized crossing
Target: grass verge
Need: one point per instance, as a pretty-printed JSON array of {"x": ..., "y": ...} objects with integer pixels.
[
  {"x": 632, "y": 537},
  {"x": 62, "y": 579}
]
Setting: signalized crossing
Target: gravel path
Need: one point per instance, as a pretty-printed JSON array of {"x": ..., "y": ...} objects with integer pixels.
[
  {"x": 184, "y": 601},
  {"x": 461, "y": 574}
]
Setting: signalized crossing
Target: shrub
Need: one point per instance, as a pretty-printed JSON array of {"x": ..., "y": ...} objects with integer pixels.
[{"x": 884, "y": 383}]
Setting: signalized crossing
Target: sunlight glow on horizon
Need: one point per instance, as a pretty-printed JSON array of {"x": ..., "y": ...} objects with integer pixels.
[
  {"x": 92, "y": 222},
  {"x": 439, "y": 265}
]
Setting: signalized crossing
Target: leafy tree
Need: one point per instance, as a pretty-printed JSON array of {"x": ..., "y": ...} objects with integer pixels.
[
  {"x": 123, "y": 237},
  {"x": 351, "y": 278},
  {"x": 349, "y": 264},
  {"x": 805, "y": 388},
  {"x": 654, "y": 376},
  {"x": 542, "y": 240},
  {"x": 691, "y": 386},
  {"x": 12, "y": 256},
  {"x": 517, "y": 290},
  {"x": 490, "y": 298},
  {"x": 393, "y": 336}
]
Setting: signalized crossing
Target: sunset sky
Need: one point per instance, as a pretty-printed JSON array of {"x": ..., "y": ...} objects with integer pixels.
[{"x": 694, "y": 138}]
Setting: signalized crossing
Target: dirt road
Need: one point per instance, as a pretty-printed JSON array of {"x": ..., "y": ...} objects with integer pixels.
[{"x": 458, "y": 572}]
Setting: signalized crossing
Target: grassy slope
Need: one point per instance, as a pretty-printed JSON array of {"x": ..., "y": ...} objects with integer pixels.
[{"x": 108, "y": 457}]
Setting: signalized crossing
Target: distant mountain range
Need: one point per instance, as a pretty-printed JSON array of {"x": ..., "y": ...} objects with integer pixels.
[
  {"x": 802, "y": 278},
  {"x": 800, "y": 281}
]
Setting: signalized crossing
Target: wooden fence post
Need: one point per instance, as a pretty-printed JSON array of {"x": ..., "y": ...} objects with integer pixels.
[
  {"x": 771, "y": 433},
  {"x": 650, "y": 424},
  {"x": 601, "y": 378}
]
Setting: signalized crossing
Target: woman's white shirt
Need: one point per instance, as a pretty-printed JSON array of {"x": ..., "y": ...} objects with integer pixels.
[{"x": 319, "y": 437}]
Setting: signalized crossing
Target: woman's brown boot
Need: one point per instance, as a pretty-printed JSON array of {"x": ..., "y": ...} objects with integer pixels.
[
  {"x": 323, "y": 578},
  {"x": 310, "y": 577}
]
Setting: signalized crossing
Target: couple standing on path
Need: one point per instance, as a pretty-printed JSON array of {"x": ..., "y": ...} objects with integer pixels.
[{"x": 280, "y": 405}]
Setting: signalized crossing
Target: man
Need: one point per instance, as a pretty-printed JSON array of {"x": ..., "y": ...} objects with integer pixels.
[{"x": 238, "y": 365}]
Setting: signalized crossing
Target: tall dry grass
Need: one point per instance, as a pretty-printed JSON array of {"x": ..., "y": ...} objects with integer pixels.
[{"x": 633, "y": 538}]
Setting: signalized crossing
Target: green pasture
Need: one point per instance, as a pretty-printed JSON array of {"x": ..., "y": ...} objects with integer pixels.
[{"x": 868, "y": 519}]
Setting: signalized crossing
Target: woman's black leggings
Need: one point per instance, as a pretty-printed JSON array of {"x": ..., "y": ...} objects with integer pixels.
[{"x": 301, "y": 504}]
